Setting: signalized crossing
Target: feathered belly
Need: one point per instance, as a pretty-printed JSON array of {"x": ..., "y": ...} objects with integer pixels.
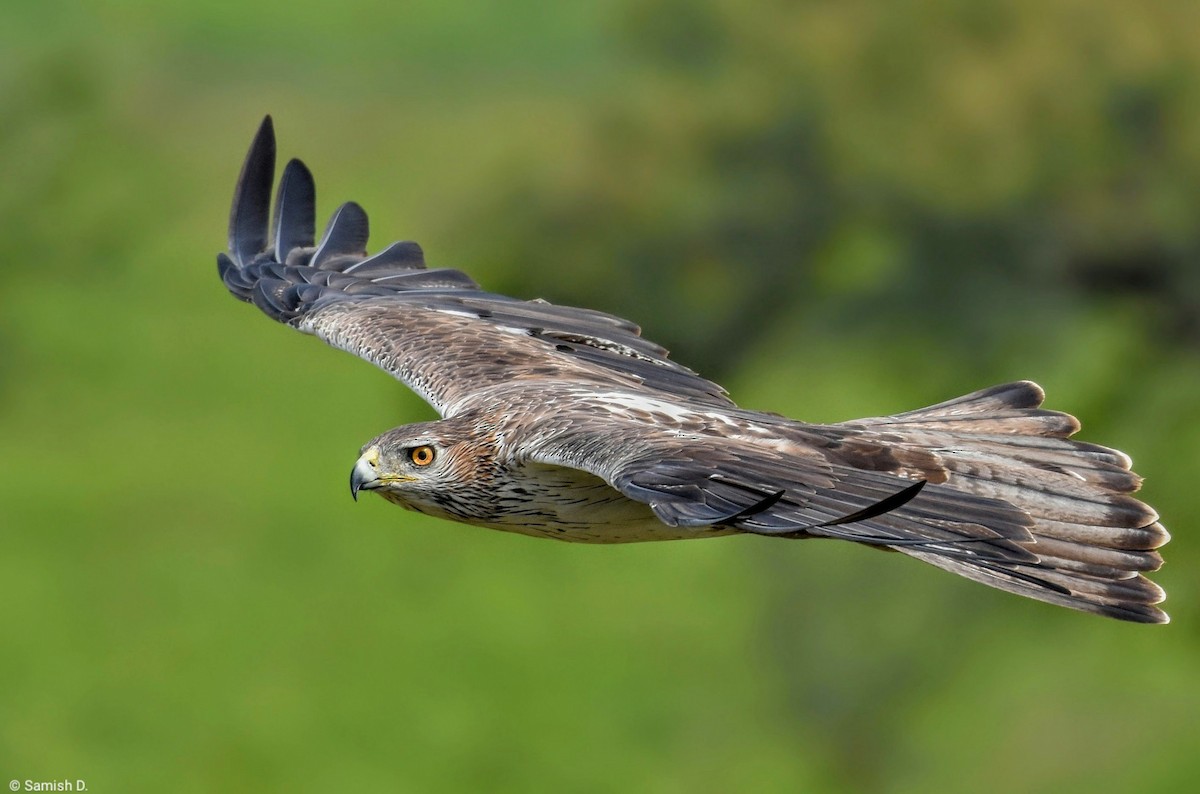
[{"x": 571, "y": 505}]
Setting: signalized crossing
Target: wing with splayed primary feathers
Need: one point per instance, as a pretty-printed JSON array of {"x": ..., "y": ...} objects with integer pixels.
[{"x": 435, "y": 330}]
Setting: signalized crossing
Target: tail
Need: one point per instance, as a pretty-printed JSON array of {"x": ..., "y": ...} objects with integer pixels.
[{"x": 1088, "y": 541}]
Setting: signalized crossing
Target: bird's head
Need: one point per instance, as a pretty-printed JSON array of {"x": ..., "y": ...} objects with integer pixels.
[{"x": 440, "y": 468}]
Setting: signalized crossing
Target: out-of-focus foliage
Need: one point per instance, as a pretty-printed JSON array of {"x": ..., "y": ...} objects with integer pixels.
[
  {"x": 890, "y": 157},
  {"x": 838, "y": 209}
]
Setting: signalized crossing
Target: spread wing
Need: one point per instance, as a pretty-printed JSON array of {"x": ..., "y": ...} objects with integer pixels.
[
  {"x": 988, "y": 486},
  {"x": 435, "y": 330}
]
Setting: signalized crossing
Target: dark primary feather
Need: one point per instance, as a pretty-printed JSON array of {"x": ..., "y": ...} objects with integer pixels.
[
  {"x": 395, "y": 260},
  {"x": 345, "y": 240},
  {"x": 988, "y": 485},
  {"x": 295, "y": 210},
  {"x": 249, "y": 215}
]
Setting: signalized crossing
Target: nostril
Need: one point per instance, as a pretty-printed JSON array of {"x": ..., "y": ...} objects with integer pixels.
[{"x": 371, "y": 457}]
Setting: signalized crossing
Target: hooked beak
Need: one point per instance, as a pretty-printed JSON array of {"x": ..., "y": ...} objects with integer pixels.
[{"x": 365, "y": 474}]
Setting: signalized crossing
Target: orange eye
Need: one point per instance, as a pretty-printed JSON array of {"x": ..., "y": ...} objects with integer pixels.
[{"x": 422, "y": 456}]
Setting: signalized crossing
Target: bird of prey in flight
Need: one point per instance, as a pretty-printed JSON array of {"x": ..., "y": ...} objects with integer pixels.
[{"x": 565, "y": 423}]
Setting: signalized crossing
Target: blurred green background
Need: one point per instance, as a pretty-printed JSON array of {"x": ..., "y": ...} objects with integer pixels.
[{"x": 835, "y": 208}]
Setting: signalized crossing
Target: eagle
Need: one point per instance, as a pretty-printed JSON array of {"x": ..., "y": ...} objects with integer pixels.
[{"x": 565, "y": 423}]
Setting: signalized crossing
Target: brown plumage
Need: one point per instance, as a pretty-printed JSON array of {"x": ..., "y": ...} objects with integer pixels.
[{"x": 565, "y": 423}]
